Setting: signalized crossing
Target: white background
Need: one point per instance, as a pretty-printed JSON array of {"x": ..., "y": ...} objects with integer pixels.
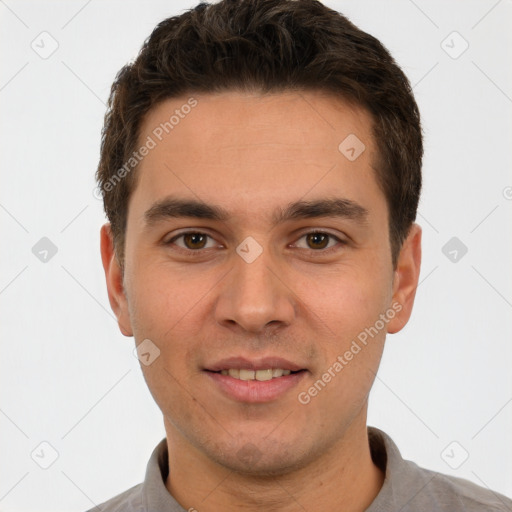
[{"x": 68, "y": 377}]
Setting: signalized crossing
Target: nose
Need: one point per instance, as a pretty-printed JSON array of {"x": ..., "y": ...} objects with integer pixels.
[{"x": 256, "y": 297}]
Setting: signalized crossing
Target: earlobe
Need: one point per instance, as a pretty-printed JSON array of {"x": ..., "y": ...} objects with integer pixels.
[
  {"x": 114, "y": 279},
  {"x": 406, "y": 279}
]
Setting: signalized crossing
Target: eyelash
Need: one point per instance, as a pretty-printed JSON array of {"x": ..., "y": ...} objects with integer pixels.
[{"x": 198, "y": 252}]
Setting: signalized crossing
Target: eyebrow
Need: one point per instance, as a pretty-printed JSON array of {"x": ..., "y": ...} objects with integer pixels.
[{"x": 174, "y": 207}]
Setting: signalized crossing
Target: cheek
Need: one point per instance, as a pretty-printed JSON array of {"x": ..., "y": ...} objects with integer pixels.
[
  {"x": 352, "y": 345},
  {"x": 160, "y": 298},
  {"x": 350, "y": 298},
  {"x": 166, "y": 307}
]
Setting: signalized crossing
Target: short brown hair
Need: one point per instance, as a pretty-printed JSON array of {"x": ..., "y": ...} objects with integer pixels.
[{"x": 270, "y": 46}]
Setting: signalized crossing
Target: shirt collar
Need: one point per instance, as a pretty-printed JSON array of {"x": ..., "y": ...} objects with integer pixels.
[
  {"x": 155, "y": 495},
  {"x": 403, "y": 480}
]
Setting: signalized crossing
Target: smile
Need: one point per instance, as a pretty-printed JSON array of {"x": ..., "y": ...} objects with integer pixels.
[
  {"x": 261, "y": 375},
  {"x": 255, "y": 386}
]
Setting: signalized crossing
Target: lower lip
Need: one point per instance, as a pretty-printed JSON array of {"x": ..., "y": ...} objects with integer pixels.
[{"x": 255, "y": 391}]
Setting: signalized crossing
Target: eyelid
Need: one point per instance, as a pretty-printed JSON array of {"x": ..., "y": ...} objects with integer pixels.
[{"x": 324, "y": 231}]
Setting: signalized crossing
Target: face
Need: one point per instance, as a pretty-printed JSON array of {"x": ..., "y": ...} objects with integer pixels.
[{"x": 282, "y": 268}]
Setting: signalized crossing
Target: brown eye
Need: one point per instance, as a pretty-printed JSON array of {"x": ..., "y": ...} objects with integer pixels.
[
  {"x": 320, "y": 242},
  {"x": 191, "y": 241},
  {"x": 317, "y": 240},
  {"x": 194, "y": 240}
]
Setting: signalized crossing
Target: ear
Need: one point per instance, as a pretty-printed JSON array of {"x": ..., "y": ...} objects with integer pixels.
[
  {"x": 114, "y": 278},
  {"x": 405, "y": 280}
]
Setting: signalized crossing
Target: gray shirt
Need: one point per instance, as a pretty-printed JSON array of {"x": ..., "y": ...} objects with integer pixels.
[{"x": 407, "y": 487}]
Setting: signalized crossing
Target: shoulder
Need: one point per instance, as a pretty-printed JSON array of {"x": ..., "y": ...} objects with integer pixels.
[
  {"x": 450, "y": 493},
  {"x": 411, "y": 488},
  {"x": 128, "y": 501}
]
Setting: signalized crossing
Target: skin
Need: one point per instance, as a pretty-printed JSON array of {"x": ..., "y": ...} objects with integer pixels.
[{"x": 251, "y": 154}]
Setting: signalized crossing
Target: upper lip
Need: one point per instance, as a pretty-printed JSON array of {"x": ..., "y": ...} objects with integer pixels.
[{"x": 264, "y": 363}]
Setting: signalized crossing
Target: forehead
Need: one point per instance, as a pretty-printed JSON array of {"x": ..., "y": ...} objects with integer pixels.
[
  {"x": 312, "y": 118},
  {"x": 246, "y": 149}
]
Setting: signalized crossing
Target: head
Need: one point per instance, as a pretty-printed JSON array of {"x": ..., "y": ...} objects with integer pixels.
[
  {"x": 276, "y": 118},
  {"x": 266, "y": 46}
]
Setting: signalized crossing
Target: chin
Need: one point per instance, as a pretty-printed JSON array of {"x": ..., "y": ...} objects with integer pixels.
[{"x": 268, "y": 459}]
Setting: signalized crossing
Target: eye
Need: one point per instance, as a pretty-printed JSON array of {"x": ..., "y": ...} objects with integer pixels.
[
  {"x": 319, "y": 241},
  {"x": 192, "y": 240}
]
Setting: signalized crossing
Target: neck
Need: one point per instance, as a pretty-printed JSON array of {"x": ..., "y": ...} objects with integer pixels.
[{"x": 344, "y": 478}]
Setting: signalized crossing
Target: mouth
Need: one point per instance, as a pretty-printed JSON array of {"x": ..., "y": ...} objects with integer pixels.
[
  {"x": 255, "y": 381},
  {"x": 259, "y": 375}
]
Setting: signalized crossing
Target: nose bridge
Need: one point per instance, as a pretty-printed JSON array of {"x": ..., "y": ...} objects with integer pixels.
[
  {"x": 255, "y": 279},
  {"x": 255, "y": 295}
]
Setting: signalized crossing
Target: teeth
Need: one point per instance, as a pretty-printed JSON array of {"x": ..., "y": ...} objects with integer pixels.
[
  {"x": 247, "y": 374},
  {"x": 264, "y": 375},
  {"x": 260, "y": 375}
]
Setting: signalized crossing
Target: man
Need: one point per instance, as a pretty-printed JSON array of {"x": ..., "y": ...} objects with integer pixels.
[{"x": 261, "y": 171}]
